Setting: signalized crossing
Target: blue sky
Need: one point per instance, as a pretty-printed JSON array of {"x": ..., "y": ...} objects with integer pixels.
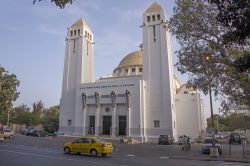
[{"x": 32, "y": 40}]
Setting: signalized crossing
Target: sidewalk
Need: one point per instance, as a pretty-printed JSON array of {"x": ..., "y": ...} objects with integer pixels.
[{"x": 235, "y": 156}]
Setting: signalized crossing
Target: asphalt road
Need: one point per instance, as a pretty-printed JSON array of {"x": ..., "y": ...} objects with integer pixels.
[{"x": 32, "y": 151}]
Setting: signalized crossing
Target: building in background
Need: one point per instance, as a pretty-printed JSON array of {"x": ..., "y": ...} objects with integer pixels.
[{"x": 141, "y": 98}]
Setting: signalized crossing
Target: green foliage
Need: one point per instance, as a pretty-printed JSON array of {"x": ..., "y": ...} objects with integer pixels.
[
  {"x": 8, "y": 92},
  {"x": 230, "y": 122},
  {"x": 38, "y": 107},
  {"x": 51, "y": 119},
  {"x": 23, "y": 115},
  {"x": 60, "y": 3},
  {"x": 200, "y": 34},
  {"x": 234, "y": 14}
]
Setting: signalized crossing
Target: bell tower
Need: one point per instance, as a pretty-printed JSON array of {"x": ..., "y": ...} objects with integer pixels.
[
  {"x": 78, "y": 68},
  {"x": 157, "y": 74}
]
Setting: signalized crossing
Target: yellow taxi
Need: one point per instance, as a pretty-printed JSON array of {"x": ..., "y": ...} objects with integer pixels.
[{"x": 88, "y": 145}]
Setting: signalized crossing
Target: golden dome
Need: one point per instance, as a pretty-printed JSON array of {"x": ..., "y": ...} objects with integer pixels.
[
  {"x": 153, "y": 8},
  {"x": 132, "y": 59}
]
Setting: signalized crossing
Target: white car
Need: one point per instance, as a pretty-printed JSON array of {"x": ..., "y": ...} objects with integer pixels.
[
  {"x": 207, "y": 144},
  {"x": 8, "y": 133}
]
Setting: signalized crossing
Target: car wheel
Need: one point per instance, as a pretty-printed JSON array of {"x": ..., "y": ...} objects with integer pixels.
[
  {"x": 104, "y": 154},
  {"x": 67, "y": 150},
  {"x": 93, "y": 153}
]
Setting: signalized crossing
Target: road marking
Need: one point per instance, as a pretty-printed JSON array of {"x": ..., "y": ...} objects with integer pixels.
[
  {"x": 164, "y": 157},
  {"x": 49, "y": 151},
  {"x": 60, "y": 158},
  {"x": 130, "y": 155}
]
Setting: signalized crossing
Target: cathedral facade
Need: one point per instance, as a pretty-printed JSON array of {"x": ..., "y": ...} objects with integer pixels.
[{"x": 141, "y": 98}]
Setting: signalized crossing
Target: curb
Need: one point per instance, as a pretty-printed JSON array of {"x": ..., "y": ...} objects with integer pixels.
[{"x": 212, "y": 159}]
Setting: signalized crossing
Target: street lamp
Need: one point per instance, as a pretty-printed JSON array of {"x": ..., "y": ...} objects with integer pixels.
[{"x": 213, "y": 150}]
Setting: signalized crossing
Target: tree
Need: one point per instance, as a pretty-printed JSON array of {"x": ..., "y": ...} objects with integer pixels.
[
  {"x": 51, "y": 119},
  {"x": 60, "y": 3},
  {"x": 19, "y": 115},
  {"x": 231, "y": 122},
  {"x": 38, "y": 107},
  {"x": 205, "y": 57},
  {"x": 8, "y": 92},
  {"x": 236, "y": 15}
]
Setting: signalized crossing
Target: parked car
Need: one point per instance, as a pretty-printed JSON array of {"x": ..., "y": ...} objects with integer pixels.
[
  {"x": 38, "y": 133},
  {"x": 207, "y": 144},
  {"x": 8, "y": 133},
  {"x": 234, "y": 138},
  {"x": 219, "y": 136},
  {"x": 165, "y": 139},
  {"x": 88, "y": 145},
  {"x": 29, "y": 132},
  {"x": 25, "y": 131}
]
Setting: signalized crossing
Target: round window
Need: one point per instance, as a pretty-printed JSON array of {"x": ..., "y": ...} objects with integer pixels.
[{"x": 107, "y": 109}]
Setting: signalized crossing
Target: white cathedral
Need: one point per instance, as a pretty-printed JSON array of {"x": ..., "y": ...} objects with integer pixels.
[{"x": 141, "y": 99}]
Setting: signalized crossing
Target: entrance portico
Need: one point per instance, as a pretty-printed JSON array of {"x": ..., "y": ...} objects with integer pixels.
[{"x": 101, "y": 117}]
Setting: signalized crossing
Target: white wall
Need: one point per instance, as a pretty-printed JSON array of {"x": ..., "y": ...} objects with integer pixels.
[{"x": 188, "y": 114}]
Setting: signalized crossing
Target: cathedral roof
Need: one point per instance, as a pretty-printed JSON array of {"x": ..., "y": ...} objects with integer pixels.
[
  {"x": 132, "y": 59},
  {"x": 153, "y": 8}
]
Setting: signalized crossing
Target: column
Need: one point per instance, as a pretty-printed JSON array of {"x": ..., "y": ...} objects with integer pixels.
[
  {"x": 114, "y": 122},
  {"x": 84, "y": 120},
  {"x": 128, "y": 121},
  {"x": 97, "y": 121}
]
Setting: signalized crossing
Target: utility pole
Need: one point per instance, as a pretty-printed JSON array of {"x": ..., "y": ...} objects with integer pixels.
[{"x": 8, "y": 118}]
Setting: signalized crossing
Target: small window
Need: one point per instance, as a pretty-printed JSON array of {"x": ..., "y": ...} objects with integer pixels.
[
  {"x": 156, "y": 123},
  {"x": 148, "y": 18},
  {"x": 158, "y": 17},
  {"x": 71, "y": 33},
  {"x": 74, "y": 32},
  {"x": 140, "y": 69},
  {"x": 133, "y": 69},
  {"x": 126, "y": 70},
  {"x": 85, "y": 34},
  {"x": 78, "y": 141},
  {"x": 90, "y": 37},
  {"x": 79, "y": 31},
  {"x": 153, "y": 18},
  {"x": 69, "y": 122}
]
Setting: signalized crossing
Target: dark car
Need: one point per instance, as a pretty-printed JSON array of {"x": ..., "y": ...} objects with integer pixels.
[
  {"x": 38, "y": 133},
  {"x": 24, "y": 131},
  {"x": 234, "y": 138},
  {"x": 165, "y": 139},
  {"x": 29, "y": 132}
]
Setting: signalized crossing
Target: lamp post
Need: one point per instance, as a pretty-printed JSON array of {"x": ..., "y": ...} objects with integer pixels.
[{"x": 213, "y": 150}]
